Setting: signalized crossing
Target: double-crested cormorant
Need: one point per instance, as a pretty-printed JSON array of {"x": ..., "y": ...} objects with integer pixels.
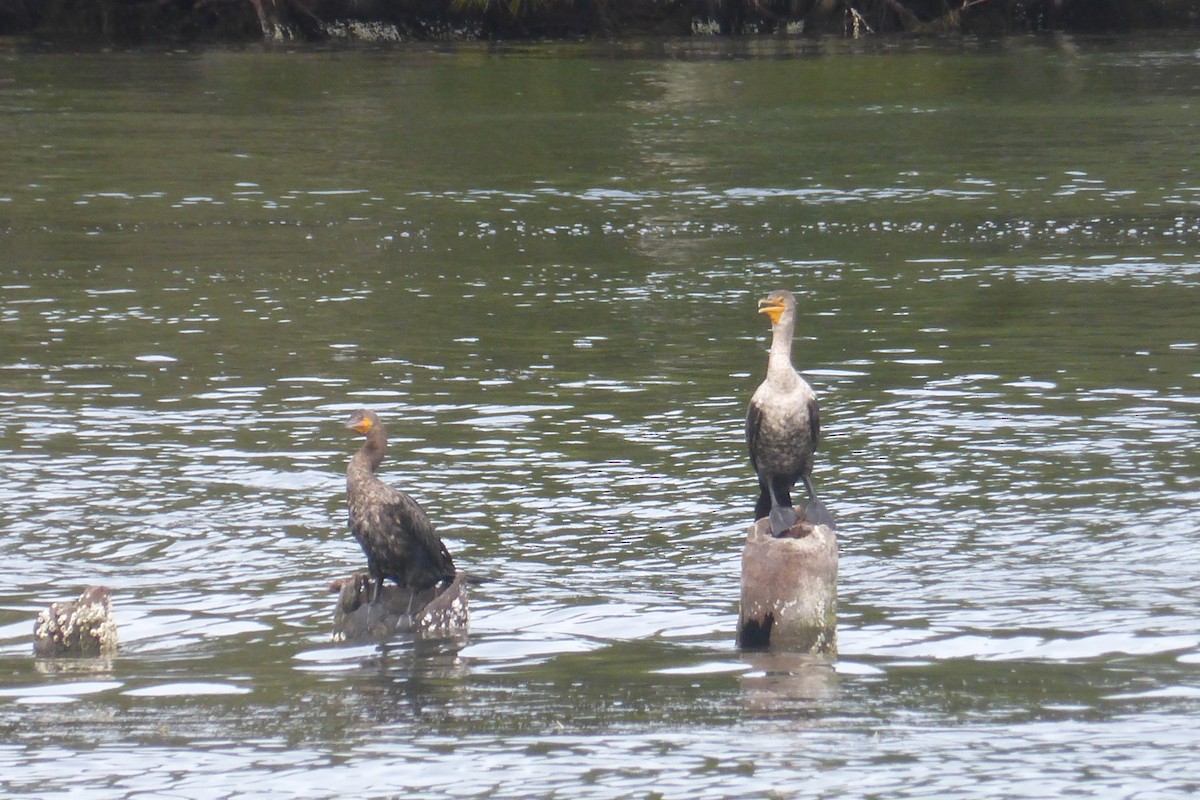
[
  {"x": 782, "y": 425},
  {"x": 393, "y": 530}
]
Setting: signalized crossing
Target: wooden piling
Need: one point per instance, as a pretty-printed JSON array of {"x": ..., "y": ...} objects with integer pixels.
[
  {"x": 433, "y": 612},
  {"x": 789, "y": 589}
]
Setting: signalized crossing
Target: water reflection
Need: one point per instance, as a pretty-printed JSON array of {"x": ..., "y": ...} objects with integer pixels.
[{"x": 784, "y": 684}]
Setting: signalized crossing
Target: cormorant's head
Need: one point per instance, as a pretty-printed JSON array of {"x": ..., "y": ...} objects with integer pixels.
[
  {"x": 775, "y": 304},
  {"x": 362, "y": 421}
]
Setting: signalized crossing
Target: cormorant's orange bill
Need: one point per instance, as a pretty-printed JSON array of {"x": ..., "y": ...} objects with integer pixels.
[
  {"x": 362, "y": 424},
  {"x": 772, "y": 307}
]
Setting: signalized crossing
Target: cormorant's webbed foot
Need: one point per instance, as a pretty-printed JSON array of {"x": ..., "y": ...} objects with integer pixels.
[
  {"x": 816, "y": 513},
  {"x": 782, "y": 519}
]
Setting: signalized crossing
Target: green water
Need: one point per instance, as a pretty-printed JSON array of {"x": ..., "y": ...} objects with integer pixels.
[{"x": 540, "y": 264}]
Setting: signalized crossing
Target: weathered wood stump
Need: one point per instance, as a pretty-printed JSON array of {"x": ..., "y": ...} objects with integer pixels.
[
  {"x": 82, "y": 628},
  {"x": 434, "y": 613},
  {"x": 789, "y": 589}
]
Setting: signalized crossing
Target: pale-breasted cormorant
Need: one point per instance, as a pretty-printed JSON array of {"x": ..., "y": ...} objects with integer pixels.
[{"x": 783, "y": 425}]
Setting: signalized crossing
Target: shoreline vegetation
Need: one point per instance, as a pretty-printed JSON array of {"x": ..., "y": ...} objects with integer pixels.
[{"x": 134, "y": 21}]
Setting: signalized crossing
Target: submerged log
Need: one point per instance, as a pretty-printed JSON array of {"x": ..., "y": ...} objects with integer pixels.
[
  {"x": 82, "y": 628},
  {"x": 434, "y": 613},
  {"x": 789, "y": 589}
]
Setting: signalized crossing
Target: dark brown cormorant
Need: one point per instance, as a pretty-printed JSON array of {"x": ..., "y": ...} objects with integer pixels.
[
  {"x": 393, "y": 530},
  {"x": 783, "y": 426}
]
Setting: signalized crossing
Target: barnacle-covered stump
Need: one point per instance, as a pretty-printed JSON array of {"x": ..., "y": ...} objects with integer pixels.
[
  {"x": 789, "y": 589},
  {"x": 434, "y": 613},
  {"x": 82, "y": 628}
]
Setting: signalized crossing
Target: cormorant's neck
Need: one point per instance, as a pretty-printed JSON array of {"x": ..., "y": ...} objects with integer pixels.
[
  {"x": 779, "y": 362},
  {"x": 371, "y": 452}
]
